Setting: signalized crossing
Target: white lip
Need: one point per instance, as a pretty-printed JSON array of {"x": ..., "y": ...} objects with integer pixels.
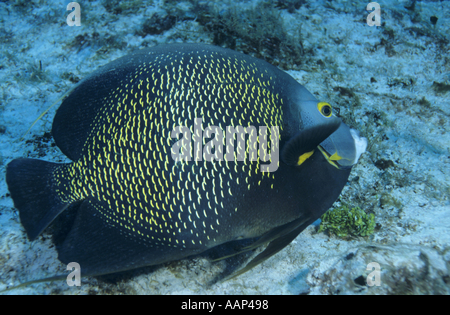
[{"x": 360, "y": 144}]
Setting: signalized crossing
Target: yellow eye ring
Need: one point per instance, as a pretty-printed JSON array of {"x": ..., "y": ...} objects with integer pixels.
[{"x": 325, "y": 109}]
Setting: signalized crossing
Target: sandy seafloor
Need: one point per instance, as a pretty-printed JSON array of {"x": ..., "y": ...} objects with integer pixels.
[{"x": 390, "y": 82}]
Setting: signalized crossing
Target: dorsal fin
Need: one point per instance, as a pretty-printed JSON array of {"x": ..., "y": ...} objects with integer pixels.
[
  {"x": 73, "y": 119},
  {"x": 46, "y": 111}
]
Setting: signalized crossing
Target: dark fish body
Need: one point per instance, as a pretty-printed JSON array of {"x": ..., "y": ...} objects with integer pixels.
[{"x": 134, "y": 205}]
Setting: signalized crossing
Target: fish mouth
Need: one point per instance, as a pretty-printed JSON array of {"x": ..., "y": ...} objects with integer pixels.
[{"x": 344, "y": 147}]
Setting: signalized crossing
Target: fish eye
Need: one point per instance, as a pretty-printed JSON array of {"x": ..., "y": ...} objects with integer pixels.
[{"x": 325, "y": 109}]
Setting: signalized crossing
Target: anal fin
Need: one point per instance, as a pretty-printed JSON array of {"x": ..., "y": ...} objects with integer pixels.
[{"x": 101, "y": 247}]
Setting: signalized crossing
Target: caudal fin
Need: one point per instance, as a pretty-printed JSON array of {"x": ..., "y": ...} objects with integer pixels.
[{"x": 34, "y": 193}]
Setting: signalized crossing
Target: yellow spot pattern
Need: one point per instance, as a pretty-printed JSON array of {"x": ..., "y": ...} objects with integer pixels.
[{"x": 126, "y": 162}]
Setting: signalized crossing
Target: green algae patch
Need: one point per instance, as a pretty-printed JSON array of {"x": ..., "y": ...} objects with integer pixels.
[{"x": 344, "y": 222}]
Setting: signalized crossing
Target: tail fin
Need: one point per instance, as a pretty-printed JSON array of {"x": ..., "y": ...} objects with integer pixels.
[{"x": 33, "y": 192}]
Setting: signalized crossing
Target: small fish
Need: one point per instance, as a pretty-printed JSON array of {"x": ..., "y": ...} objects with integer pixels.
[{"x": 138, "y": 194}]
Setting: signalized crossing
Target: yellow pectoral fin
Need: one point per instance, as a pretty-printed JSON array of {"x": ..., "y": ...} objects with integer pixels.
[
  {"x": 335, "y": 157},
  {"x": 302, "y": 158},
  {"x": 329, "y": 158}
]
